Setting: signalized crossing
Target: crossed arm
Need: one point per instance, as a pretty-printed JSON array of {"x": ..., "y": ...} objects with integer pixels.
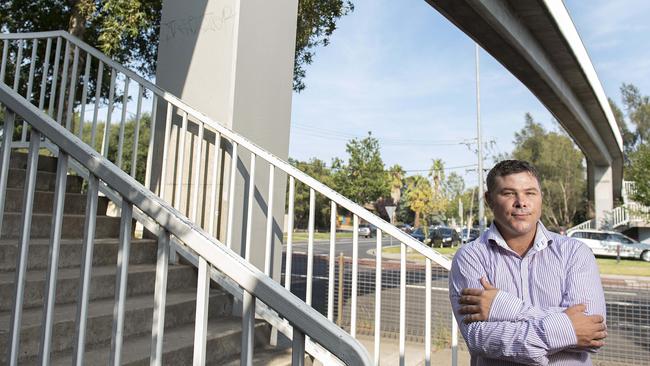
[{"x": 497, "y": 324}]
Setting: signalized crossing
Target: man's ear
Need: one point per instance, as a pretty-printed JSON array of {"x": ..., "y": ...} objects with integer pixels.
[{"x": 486, "y": 196}]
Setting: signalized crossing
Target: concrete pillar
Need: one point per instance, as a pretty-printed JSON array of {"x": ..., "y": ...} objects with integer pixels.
[
  {"x": 601, "y": 190},
  {"x": 231, "y": 60}
]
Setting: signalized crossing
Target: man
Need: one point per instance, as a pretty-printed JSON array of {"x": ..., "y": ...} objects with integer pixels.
[{"x": 521, "y": 294}]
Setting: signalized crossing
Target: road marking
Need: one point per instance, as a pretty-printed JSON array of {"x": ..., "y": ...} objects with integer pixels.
[
  {"x": 432, "y": 288},
  {"x": 620, "y": 293},
  {"x": 632, "y": 325},
  {"x": 620, "y": 303}
]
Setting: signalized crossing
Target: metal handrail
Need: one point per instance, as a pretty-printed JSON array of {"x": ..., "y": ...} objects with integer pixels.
[
  {"x": 319, "y": 187},
  {"x": 247, "y": 276}
]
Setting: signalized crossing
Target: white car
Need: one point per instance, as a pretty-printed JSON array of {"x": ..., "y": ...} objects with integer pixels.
[{"x": 607, "y": 243}]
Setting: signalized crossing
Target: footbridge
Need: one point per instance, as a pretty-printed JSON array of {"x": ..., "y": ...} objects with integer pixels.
[{"x": 538, "y": 43}]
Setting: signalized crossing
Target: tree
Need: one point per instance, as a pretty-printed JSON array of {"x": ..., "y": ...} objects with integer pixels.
[
  {"x": 637, "y": 107},
  {"x": 629, "y": 137},
  {"x": 127, "y": 30},
  {"x": 317, "y": 169},
  {"x": 363, "y": 179},
  {"x": 397, "y": 175},
  {"x": 418, "y": 196},
  {"x": 639, "y": 172},
  {"x": 561, "y": 169}
]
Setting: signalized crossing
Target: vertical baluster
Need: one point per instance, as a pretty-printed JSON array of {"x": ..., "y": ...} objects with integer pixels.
[
  {"x": 298, "y": 348},
  {"x": 136, "y": 137},
  {"x": 231, "y": 195},
  {"x": 55, "y": 245},
  {"x": 249, "y": 208},
  {"x": 19, "y": 61},
  {"x": 180, "y": 163},
  {"x": 355, "y": 270},
  {"x": 201, "y": 323},
  {"x": 109, "y": 114},
  {"x": 32, "y": 67},
  {"x": 269, "y": 223},
  {"x": 84, "y": 95},
  {"x": 98, "y": 95},
  {"x": 86, "y": 270},
  {"x": 5, "y": 54},
  {"x": 25, "y": 230},
  {"x": 64, "y": 82},
  {"x": 73, "y": 90},
  {"x": 454, "y": 340},
  {"x": 248, "y": 329},
  {"x": 427, "y": 313},
  {"x": 160, "y": 298},
  {"x": 215, "y": 175},
  {"x": 55, "y": 76},
  {"x": 310, "y": 245},
  {"x": 289, "y": 255},
  {"x": 378, "y": 297},
  {"x": 402, "y": 304},
  {"x": 121, "y": 282},
  {"x": 30, "y": 84},
  {"x": 198, "y": 152},
  {"x": 332, "y": 261},
  {"x": 46, "y": 68},
  {"x": 7, "y": 135},
  {"x": 152, "y": 133},
  {"x": 120, "y": 139},
  {"x": 163, "y": 172}
]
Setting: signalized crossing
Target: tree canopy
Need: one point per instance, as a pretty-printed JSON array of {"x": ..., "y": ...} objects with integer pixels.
[{"x": 127, "y": 30}]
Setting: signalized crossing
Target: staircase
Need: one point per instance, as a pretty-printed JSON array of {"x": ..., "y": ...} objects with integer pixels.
[{"x": 224, "y": 330}]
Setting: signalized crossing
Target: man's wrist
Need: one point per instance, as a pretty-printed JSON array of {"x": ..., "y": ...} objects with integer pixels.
[
  {"x": 559, "y": 332},
  {"x": 505, "y": 307}
]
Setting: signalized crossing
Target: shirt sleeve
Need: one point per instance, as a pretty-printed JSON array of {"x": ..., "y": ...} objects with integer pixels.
[
  {"x": 581, "y": 269},
  {"x": 529, "y": 341}
]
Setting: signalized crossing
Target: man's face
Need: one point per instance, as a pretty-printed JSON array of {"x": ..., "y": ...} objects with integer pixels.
[{"x": 516, "y": 202}]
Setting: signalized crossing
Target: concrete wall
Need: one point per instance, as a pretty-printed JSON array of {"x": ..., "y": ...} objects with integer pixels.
[{"x": 232, "y": 60}]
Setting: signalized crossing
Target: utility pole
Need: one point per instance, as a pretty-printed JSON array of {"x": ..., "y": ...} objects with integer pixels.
[{"x": 479, "y": 143}]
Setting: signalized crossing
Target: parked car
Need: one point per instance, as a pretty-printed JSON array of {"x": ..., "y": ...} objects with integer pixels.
[
  {"x": 405, "y": 228},
  {"x": 418, "y": 234},
  {"x": 443, "y": 236},
  {"x": 467, "y": 236},
  {"x": 606, "y": 243},
  {"x": 367, "y": 230}
]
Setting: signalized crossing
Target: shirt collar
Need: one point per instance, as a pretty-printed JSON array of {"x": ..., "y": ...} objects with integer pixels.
[{"x": 542, "y": 237}]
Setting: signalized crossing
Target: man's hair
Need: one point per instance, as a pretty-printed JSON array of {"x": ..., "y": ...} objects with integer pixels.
[{"x": 508, "y": 167}]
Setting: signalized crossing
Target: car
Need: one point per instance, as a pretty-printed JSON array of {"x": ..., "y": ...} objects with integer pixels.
[
  {"x": 405, "y": 228},
  {"x": 443, "y": 236},
  {"x": 418, "y": 234},
  {"x": 469, "y": 235},
  {"x": 611, "y": 243},
  {"x": 367, "y": 230}
]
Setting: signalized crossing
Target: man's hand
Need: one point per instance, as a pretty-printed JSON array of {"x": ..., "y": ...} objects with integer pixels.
[
  {"x": 477, "y": 302},
  {"x": 590, "y": 329}
]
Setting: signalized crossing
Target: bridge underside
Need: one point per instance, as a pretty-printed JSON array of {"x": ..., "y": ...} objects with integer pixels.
[{"x": 538, "y": 43}]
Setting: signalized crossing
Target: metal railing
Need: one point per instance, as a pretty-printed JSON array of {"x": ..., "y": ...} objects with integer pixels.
[
  {"x": 191, "y": 139},
  {"x": 171, "y": 224}
]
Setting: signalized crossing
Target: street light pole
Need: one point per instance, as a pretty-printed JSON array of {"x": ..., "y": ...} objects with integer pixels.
[{"x": 479, "y": 143}]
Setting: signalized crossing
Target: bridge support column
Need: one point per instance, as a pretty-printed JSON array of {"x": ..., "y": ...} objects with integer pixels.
[
  {"x": 601, "y": 190},
  {"x": 231, "y": 60}
]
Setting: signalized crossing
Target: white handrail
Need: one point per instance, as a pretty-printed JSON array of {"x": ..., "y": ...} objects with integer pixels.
[
  {"x": 247, "y": 276},
  {"x": 340, "y": 200}
]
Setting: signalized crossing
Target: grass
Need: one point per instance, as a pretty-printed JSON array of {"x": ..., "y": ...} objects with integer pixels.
[
  {"x": 607, "y": 266},
  {"x": 303, "y": 236},
  {"x": 412, "y": 255},
  {"x": 627, "y": 267}
]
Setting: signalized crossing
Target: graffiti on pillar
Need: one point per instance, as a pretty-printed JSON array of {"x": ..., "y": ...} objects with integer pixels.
[{"x": 193, "y": 25}]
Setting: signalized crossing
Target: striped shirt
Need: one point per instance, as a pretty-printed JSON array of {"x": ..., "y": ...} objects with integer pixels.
[{"x": 526, "y": 323}]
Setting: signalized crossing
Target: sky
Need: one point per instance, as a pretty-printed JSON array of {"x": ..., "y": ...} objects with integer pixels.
[{"x": 402, "y": 71}]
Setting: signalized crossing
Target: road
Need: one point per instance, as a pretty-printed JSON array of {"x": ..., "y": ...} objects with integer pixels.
[{"x": 628, "y": 301}]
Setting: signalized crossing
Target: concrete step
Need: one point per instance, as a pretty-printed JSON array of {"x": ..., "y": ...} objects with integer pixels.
[
  {"x": 223, "y": 341},
  {"x": 73, "y": 226},
  {"x": 18, "y": 160},
  {"x": 267, "y": 356},
  {"x": 75, "y": 203},
  {"x": 141, "y": 280},
  {"x": 180, "y": 311},
  {"x": 45, "y": 181},
  {"x": 143, "y": 251}
]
